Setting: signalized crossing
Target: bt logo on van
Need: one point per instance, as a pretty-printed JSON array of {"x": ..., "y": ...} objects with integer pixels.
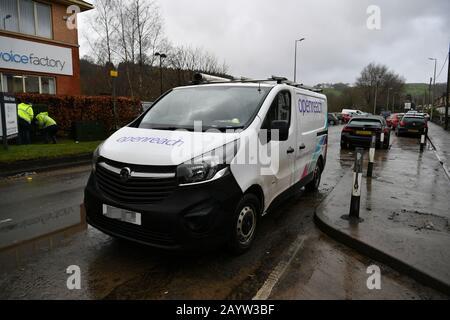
[{"x": 309, "y": 106}]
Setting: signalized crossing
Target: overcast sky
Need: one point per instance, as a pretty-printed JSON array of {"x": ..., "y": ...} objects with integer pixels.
[{"x": 256, "y": 37}]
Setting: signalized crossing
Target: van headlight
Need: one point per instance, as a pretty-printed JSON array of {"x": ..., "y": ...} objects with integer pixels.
[
  {"x": 207, "y": 167},
  {"x": 95, "y": 156}
]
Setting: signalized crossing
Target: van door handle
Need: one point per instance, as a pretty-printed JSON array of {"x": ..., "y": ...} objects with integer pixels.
[
  {"x": 290, "y": 150},
  {"x": 302, "y": 146}
]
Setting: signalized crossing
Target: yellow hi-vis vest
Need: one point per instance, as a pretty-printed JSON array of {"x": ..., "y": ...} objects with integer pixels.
[
  {"x": 25, "y": 111},
  {"x": 43, "y": 120}
]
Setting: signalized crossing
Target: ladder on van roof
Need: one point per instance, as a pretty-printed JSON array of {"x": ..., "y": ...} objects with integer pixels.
[{"x": 200, "y": 78}]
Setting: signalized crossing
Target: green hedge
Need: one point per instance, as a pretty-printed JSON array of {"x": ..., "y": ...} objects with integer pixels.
[{"x": 68, "y": 109}]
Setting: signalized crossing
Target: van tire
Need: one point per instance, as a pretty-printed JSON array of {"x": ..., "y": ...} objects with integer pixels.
[
  {"x": 315, "y": 182},
  {"x": 245, "y": 216}
]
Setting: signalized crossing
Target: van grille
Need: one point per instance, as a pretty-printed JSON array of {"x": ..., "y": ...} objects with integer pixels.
[
  {"x": 131, "y": 231},
  {"x": 137, "y": 190}
]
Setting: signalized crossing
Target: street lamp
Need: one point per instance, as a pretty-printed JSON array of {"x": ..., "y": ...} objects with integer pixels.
[
  {"x": 4, "y": 21},
  {"x": 387, "y": 107},
  {"x": 295, "y": 58},
  {"x": 434, "y": 87},
  {"x": 393, "y": 101},
  {"x": 377, "y": 80},
  {"x": 161, "y": 56}
]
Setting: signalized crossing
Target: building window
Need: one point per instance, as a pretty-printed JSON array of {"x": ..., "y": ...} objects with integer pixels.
[
  {"x": 9, "y": 15},
  {"x": 26, "y": 16},
  {"x": 27, "y": 83},
  {"x": 43, "y": 20},
  {"x": 14, "y": 83},
  {"x": 48, "y": 85},
  {"x": 31, "y": 84}
]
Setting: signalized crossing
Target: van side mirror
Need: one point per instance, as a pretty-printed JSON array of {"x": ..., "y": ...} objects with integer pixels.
[{"x": 283, "y": 129}]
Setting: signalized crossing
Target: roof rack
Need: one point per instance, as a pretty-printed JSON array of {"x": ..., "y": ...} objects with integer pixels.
[{"x": 200, "y": 78}]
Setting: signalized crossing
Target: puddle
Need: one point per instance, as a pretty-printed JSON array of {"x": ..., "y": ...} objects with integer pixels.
[{"x": 420, "y": 221}]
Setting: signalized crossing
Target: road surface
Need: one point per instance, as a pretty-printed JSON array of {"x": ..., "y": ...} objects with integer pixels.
[{"x": 114, "y": 269}]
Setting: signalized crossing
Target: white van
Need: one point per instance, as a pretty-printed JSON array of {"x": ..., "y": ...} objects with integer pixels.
[
  {"x": 353, "y": 111},
  {"x": 165, "y": 181}
]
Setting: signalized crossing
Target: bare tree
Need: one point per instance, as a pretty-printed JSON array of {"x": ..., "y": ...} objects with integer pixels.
[
  {"x": 128, "y": 33},
  {"x": 377, "y": 77},
  {"x": 103, "y": 23}
]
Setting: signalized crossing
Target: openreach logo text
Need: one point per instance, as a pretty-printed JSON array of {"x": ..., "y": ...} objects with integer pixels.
[
  {"x": 309, "y": 106},
  {"x": 32, "y": 59}
]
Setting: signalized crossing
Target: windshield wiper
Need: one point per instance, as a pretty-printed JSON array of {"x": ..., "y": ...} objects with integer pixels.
[
  {"x": 224, "y": 128},
  {"x": 170, "y": 128}
]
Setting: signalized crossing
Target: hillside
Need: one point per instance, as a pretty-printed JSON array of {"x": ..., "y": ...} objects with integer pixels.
[{"x": 419, "y": 89}]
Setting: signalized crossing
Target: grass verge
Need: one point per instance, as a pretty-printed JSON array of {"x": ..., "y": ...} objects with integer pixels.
[{"x": 42, "y": 151}]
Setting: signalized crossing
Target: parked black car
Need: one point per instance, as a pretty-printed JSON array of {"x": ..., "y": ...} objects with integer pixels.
[
  {"x": 359, "y": 131},
  {"x": 412, "y": 125}
]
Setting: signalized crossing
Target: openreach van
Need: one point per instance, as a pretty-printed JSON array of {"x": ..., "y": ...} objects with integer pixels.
[{"x": 205, "y": 162}]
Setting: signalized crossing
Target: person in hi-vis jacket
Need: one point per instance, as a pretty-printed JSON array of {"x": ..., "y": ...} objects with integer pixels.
[
  {"x": 48, "y": 125},
  {"x": 25, "y": 114}
]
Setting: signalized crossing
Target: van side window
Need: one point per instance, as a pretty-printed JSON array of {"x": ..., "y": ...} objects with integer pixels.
[{"x": 280, "y": 109}]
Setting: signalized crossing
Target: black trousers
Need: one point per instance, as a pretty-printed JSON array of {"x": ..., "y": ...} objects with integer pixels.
[
  {"x": 24, "y": 132},
  {"x": 50, "y": 133}
]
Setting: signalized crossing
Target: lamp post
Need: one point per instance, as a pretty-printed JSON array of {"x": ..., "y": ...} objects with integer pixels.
[
  {"x": 387, "y": 107},
  {"x": 295, "y": 58},
  {"x": 161, "y": 56},
  {"x": 393, "y": 102},
  {"x": 377, "y": 80},
  {"x": 434, "y": 87},
  {"x": 4, "y": 21},
  {"x": 447, "y": 94}
]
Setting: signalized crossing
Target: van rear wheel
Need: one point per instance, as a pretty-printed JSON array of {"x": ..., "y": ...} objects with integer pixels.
[
  {"x": 315, "y": 182},
  {"x": 243, "y": 224}
]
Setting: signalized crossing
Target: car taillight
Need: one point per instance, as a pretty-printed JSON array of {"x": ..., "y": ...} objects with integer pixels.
[
  {"x": 402, "y": 123},
  {"x": 346, "y": 129}
]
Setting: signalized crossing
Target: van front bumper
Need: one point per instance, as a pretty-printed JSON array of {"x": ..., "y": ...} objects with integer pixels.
[{"x": 191, "y": 217}]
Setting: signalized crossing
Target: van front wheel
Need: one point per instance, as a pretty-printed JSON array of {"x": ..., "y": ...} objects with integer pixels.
[
  {"x": 315, "y": 182},
  {"x": 243, "y": 226}
]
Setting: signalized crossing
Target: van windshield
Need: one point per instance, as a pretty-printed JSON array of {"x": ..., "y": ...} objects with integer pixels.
[{"x": 219, "y": 107}]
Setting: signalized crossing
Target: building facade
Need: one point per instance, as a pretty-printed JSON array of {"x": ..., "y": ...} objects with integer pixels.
[{"x": 39, "y": 51}]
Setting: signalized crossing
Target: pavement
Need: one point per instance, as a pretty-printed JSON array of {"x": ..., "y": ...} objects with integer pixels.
[
  {"x": 440, "y": 139},
  {"x": 34, "y": 266},
  {"x": 405, "y": 211}
]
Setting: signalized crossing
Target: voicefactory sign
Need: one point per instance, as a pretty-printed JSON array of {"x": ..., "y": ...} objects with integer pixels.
[{"x": 32, "y": 56}]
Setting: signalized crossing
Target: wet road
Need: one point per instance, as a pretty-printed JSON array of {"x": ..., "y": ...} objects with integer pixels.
[{"x": 116, "y": 269}]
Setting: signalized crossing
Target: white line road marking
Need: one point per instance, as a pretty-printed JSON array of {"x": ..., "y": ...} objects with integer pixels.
[
  {"x": 5, "y": 221},
  {"x": 265, "y": 291}
]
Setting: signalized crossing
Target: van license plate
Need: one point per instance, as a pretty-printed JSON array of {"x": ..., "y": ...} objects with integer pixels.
[
  {"x": 413, "y": 130},
  {"x": 122, "y": 214},
  {"x": 364, "y": 133}
]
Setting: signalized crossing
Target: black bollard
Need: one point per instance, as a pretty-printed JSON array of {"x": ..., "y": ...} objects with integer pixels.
[
  {"x": 371, "y": 155},
  {"x": 356, "y": 185},
  {"x": 422, "y": 141},
  {"x": 381, "y": 139}
]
